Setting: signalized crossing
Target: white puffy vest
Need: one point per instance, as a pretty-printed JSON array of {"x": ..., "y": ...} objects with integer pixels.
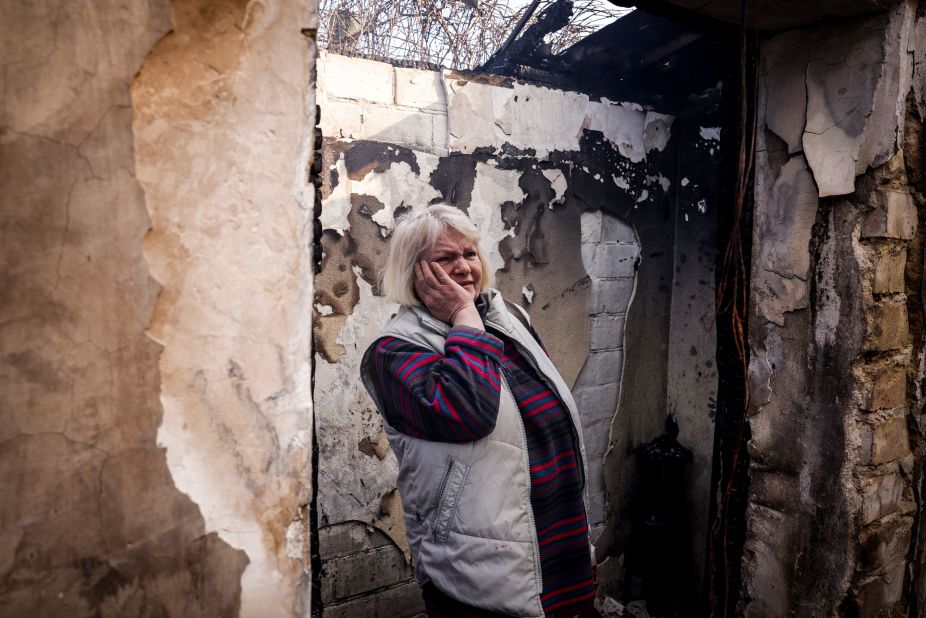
[{"x": 467, "y": 506}]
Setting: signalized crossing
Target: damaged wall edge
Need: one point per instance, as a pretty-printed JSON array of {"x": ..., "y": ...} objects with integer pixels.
[
  {"x": 838, "y": 302},
  {"x": 316, "y": 182},
  {"x": 235, "y": 365}
]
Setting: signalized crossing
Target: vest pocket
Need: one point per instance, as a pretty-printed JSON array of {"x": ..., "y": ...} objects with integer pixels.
[{"x": 450, "y": 489}]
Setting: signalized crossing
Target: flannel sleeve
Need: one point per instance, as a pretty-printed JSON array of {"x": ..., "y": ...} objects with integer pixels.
[{"x": 452, "y": 397}]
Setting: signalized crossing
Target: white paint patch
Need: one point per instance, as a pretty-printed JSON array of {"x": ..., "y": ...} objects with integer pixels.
[
  {"x": 656, "y": 131},
  {"x": 352, "y": 489},
  {"x": 702, "y": 206},
  {"x": 644, "y": 195},
  {"x": 557, "y": 183},
  {"x": 684, "y": 182},
  {"x": 661, "y": 180},
  {"x": 621, "y": 182},
  {"x": 547, "y": 120},
  {"x": 297, "y": 545},
  {"x": 525, "y": 116},
  {"x": 323, "y": 309},
  {"x": 492, "y": 188},
  {"x": 710, "y": 133},
  {"x": 469, "y": 107},
  {"x": 397, "y": 186},
  {"x": 621, "y": 124},
  {"x": 528, "y": 294},
  {"x": 337, "y": 206}
]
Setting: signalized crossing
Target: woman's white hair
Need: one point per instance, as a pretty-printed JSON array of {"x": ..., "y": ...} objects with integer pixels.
[{"x": 416, "y": 233}]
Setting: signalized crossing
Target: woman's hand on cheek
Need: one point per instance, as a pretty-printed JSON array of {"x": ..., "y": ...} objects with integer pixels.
[{"x": 444, "y": 297}]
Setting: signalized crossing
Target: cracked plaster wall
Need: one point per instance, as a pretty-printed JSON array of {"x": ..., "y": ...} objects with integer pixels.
[
  {"x": 222, "y": 122},
  {"x": 223, "y": 111},
  {"x": 97, "y": 525},
  {"x": 831, "y": 509},
  {"x": 553, "y": 199}
]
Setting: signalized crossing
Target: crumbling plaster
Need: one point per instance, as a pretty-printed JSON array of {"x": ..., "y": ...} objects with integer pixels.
[
  {"x": 829, "y": 331},
  {"x": 223, "y": 123},
  {"x": 842, "y": 93},
  {"x": 528, "y": 189},
  {"x": 495, "y": 198},
  {"x": 530, "y": 201},
  {"x": 94, "y": 524}
]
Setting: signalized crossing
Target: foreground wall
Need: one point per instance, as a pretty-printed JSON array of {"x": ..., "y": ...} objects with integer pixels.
[
  {"x": 565, "y": 191},
  {"x": 163, "y": 476},
  {"x": 836, "y": 327}
]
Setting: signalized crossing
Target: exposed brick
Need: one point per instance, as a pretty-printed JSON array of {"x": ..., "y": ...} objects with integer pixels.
[
  {"x": 341, "y": 119},
  {"x": 883, "y": 495},
  {"x": 348, "y": 538},
  {"x": 419, "y": 89},
  {"x": 878, "y": 596},
  {"x": 888, "y": 388},
  {"x": 604, "y": 366},
  {"x": 591, "y": 227},
  {"x": 398, "y": 126},
  {"x": 885, "y": 543},
  {"x": 894, "y": 216},
  {"x": 356, "y": 78},
  {"x": 347, "y": 576},
  {"x": 596, "y": 402},
  {"x": 886, "y": 326},
  {"x": 615, "y": 229},
  {"x": 611, "y": 295},
  {"x": 607, "y": 332},
  {"x": 889, "y": 270},
  {"x": 614, "y": 260},
  {"x": 885, "y": 441},
  {"x": 402, "y": 601}
]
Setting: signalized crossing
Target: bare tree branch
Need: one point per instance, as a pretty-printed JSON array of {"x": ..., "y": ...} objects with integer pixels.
[{"x": 450, "y": 33}]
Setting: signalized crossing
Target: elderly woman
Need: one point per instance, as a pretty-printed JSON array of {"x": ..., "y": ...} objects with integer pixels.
[{"x": 491, "y": 469}]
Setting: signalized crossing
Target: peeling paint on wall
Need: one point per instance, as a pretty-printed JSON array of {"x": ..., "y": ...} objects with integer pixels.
[
  {"x": 828, "y": 329},
  {"x": 853, "y": 76},
  {"x": 528, "y": 189},
  {"x": 230, "y": 213},
  {"x": 100, "y": 525}
]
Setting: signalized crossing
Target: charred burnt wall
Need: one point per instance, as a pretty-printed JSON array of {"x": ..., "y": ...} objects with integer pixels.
[{"x": 599, "y": 218}]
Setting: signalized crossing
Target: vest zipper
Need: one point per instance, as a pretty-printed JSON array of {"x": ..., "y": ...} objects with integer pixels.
[{"x": 535, "y": 543}]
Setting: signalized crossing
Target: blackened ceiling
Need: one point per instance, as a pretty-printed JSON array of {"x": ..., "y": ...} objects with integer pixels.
[
  {"x": 663, "y": 63},
  {"x": 768, "y": 15}
]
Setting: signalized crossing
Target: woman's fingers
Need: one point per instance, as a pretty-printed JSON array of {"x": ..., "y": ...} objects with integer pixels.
[
  {"x": 438, "y": 291},
  {"x": 439, "y": 274},
  {"x": 427, "y": 274}
]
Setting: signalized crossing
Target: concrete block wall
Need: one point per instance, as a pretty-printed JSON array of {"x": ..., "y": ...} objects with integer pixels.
[
  {"x": 555, "y": 202},
  {"x": 349, "y": 577},
  {"x": 365, "y": 99},
  {"x": 610, "y": 253}
]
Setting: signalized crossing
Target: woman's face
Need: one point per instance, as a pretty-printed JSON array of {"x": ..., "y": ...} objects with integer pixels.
[{"x": 457, "y": 256}]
